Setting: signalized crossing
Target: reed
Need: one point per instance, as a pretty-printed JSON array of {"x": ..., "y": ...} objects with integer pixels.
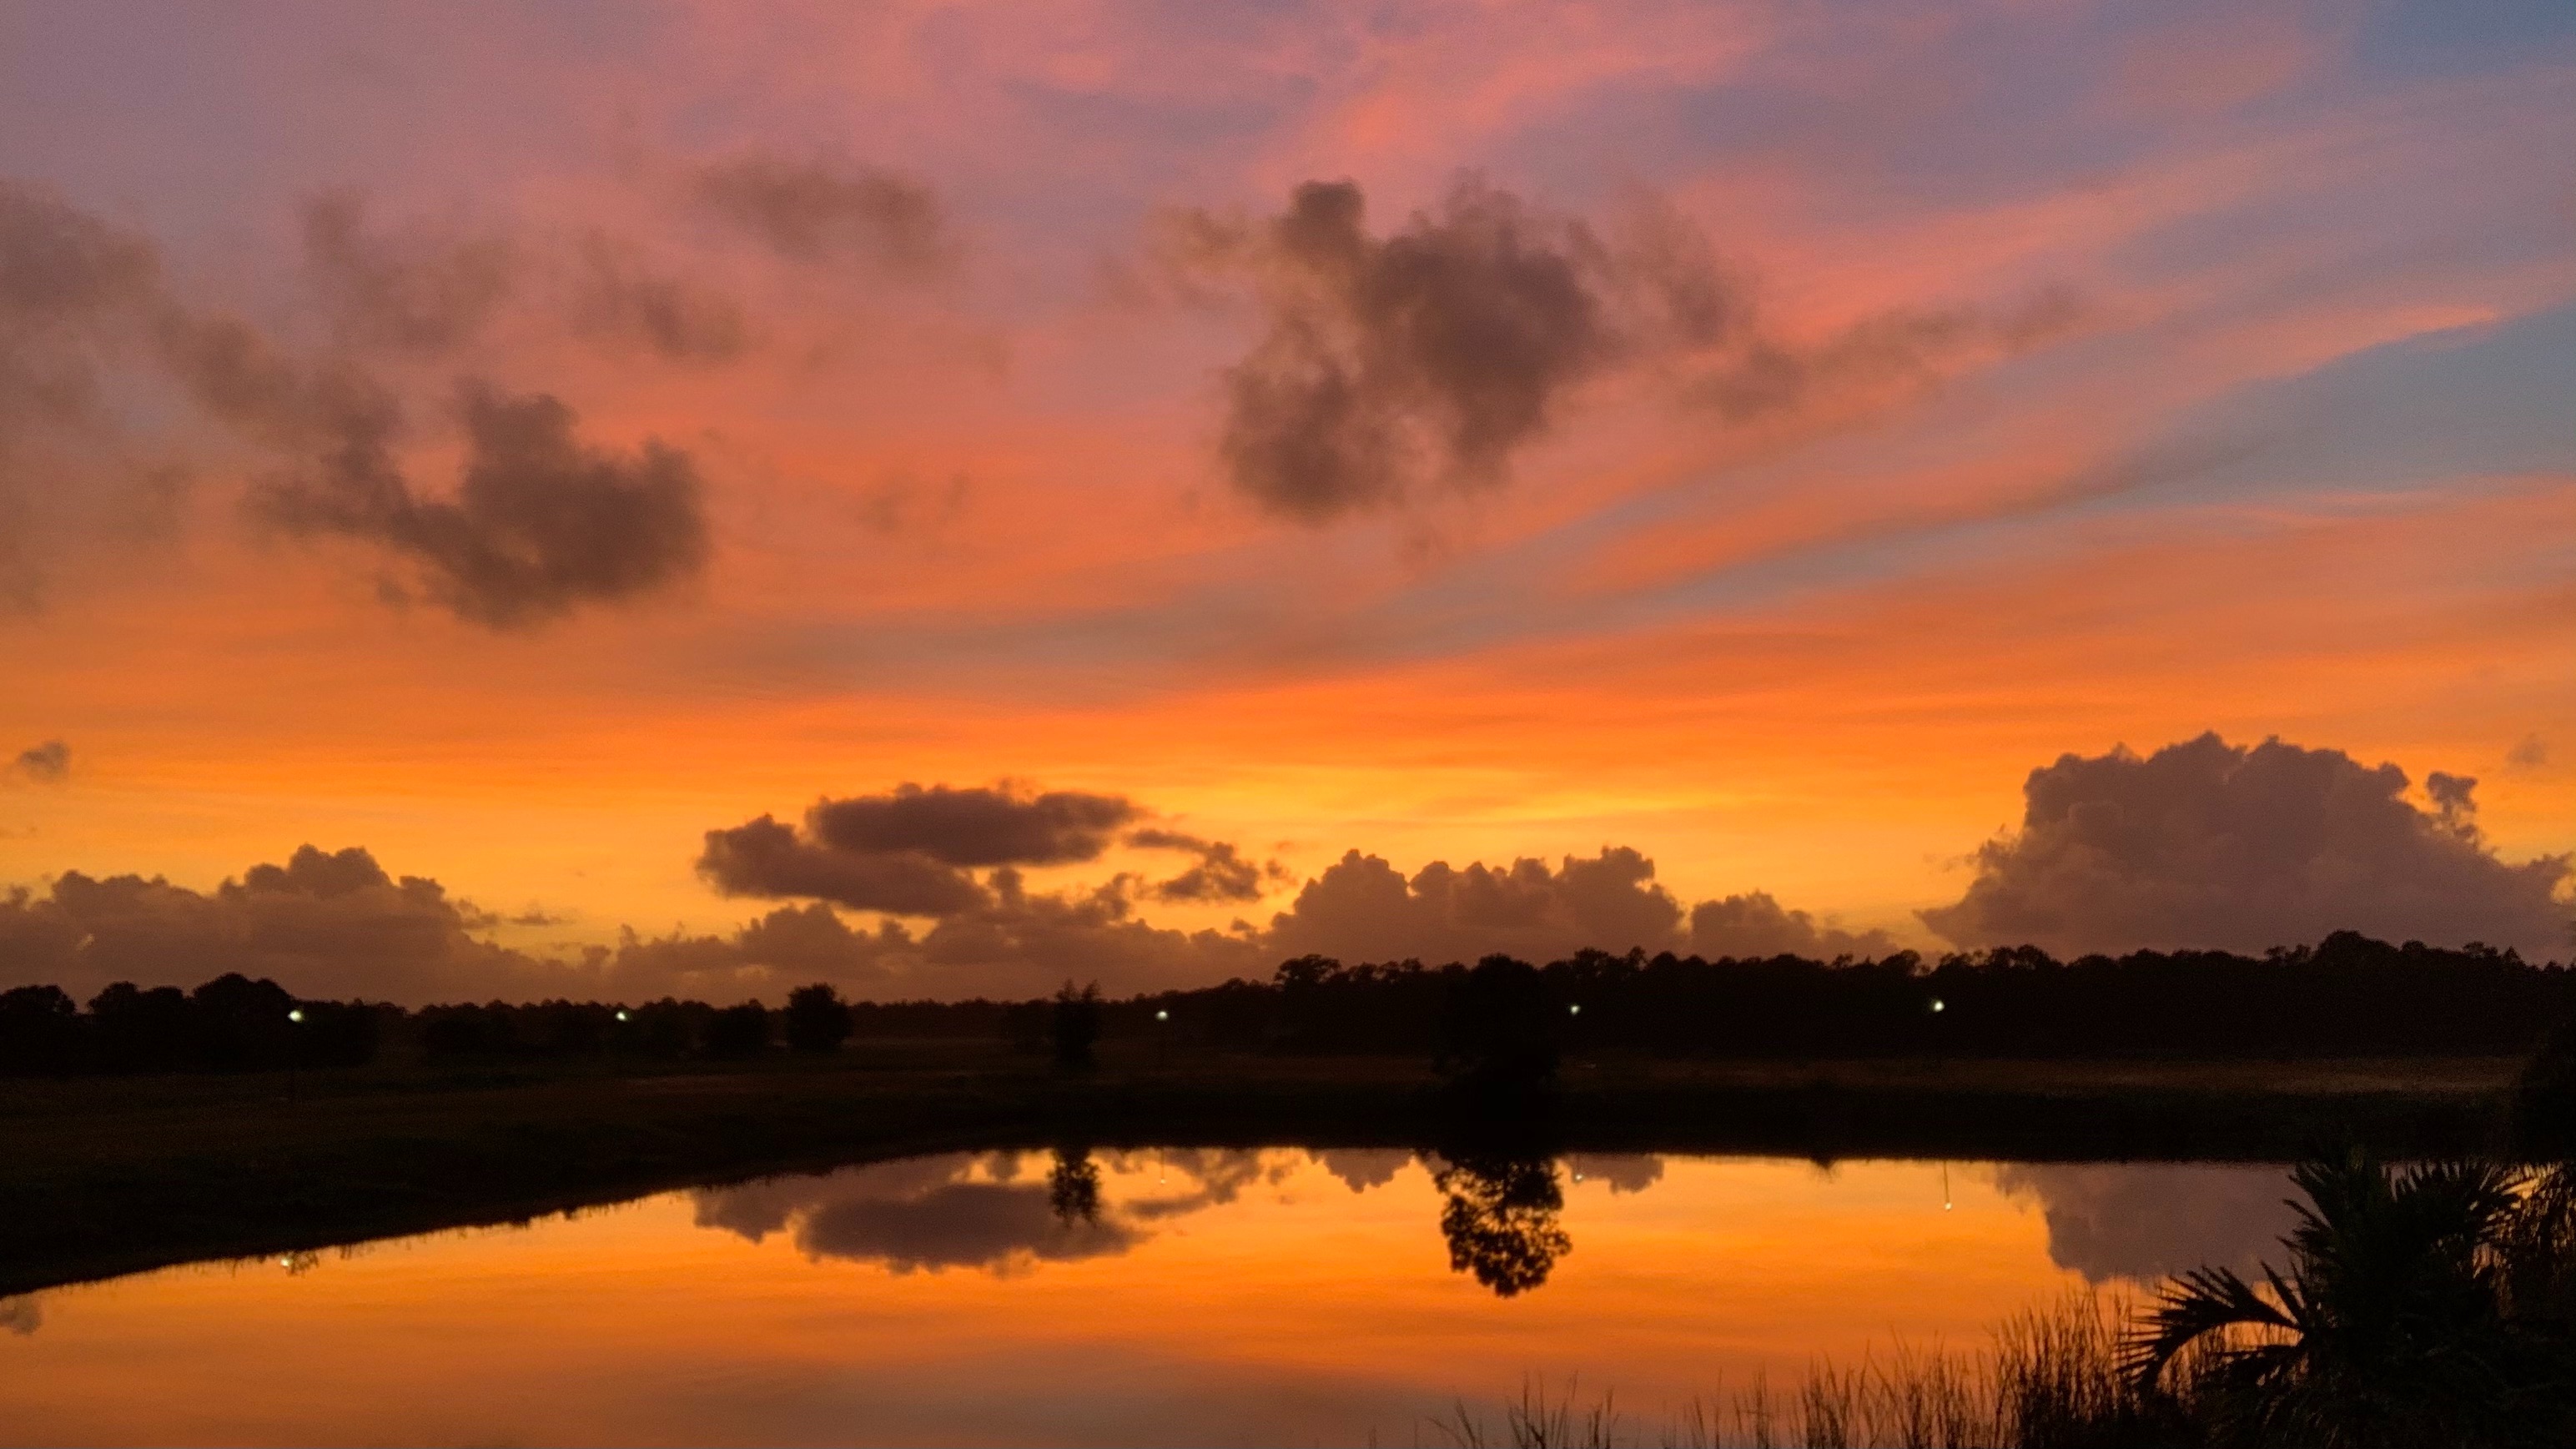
[{"x": 2051, "y": 1377}]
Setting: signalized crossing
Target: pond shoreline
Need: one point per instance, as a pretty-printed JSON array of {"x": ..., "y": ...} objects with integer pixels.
[{"x": 107, "y": 1177}]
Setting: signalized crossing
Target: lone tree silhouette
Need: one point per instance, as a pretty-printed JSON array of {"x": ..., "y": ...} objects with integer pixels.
[
  {"x": 817, "y": 1019},
  {"x": 1073, "y": 1027}
]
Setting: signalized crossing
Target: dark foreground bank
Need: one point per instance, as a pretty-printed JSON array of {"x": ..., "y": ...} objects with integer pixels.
[{"x": 114, "y": 1176}]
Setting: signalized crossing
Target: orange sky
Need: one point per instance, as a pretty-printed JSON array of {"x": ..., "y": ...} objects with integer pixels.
[{"x": 2229, "y": 395}]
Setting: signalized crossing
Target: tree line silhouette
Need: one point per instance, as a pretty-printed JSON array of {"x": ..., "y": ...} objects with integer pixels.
[{"x": 1501, "y": 1021}]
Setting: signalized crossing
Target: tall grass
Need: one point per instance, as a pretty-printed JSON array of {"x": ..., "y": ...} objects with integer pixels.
[{"x": 2051, "y": 1378}]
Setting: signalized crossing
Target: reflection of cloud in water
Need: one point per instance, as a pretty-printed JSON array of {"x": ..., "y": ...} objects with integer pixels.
[
  {"x": 962, "y": 1225},
  {"x": 963, "y": 1210},
  {"x": 1221, "y": 1174},
  {"x": 21, "y": 1314},
  {"x": 1624, "y": 1171},
  {"x": 1362, "y": 1168},
  {"x": 2146, "y": 1220}
]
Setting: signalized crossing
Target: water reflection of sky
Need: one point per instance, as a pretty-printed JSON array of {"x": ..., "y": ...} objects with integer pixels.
[{"x": 1136, "y": 1296}]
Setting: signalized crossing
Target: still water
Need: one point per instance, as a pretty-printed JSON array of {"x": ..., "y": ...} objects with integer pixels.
[{"x": 1146, "y": 1297}]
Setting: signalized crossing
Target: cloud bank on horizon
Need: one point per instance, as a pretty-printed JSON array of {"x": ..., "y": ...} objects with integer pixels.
[{"x": 2201, "y": 845}]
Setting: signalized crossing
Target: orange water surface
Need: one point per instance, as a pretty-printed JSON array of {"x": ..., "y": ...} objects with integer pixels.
[{"x": 1205, "y": 1297}]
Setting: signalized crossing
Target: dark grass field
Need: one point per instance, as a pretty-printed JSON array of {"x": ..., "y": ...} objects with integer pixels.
[{"x": 111, "y": 1175}]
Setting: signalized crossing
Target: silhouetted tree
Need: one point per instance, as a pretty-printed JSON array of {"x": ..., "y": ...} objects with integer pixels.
[
  {"x": 40, "y": 1031},
  {"x": 738, "y": 1031},
  {"x": 817, "y": 1020},
  {"x": 134, "y": 1030},
  {"x": 2544, "y": 1099},
  {"x": 243, "y": 1023},
  {"x": 1500, "y": 1030},
  {"x": 1499, "y": 1215},
  {"x": 1073, "y": 1029}
]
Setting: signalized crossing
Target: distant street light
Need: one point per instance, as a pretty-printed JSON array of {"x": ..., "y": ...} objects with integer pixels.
[
  {"x": 621, "y": 1016},
  {"x": 1575, "y": 1010},
  {"x": 296, "y": 1015},
  {"x": 1162, "y": 1016},
  {"x": 1937, "y": 1004}
]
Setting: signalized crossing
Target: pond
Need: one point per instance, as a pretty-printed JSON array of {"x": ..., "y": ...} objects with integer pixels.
[{"x": 1193, "y": 1296}]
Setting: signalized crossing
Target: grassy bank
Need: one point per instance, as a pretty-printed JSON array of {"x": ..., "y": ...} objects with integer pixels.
[{"x": 115, "y": 1175}]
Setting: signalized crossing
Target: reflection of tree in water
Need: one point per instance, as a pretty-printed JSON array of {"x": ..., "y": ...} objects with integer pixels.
[
  {"x": 1073, "y": 1186},
  {"x": 1499, "y": 1216}
]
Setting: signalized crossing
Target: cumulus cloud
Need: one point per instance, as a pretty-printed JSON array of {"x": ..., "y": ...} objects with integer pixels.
[
  {"x": 50, "y": 762},
  {"x": 831, "y": 213},
  {"x": 422, "y": 290},
  {"x": 541, "y": 523},
  {"x": 322, "y": 924},
  {"x": 2207, "y": 844},
  {"x": 1363, "y": 909},
  {"x": 1754, "y": 925}
]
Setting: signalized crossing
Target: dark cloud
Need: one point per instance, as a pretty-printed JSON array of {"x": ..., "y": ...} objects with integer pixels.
[
  {"x": 1754, "y": 925},
  {"x": 1362, "y": 909},
  {"x": 765, "y": 858},
  {"x": 2142, "y": 1221},
  {"x": 618, "y": 298},
  {"x": 1427, "y": 355},
  {"x": 50, "y": 762},
  {"x": 906, "y": 851},
  {"x": 826, "y": 213},
  {"x": 420, "y": 290},
  {"x": 2207, "y": 844},
  {"x": 1431, "y": 354},
  {"x": 540, "y": 525},
  {"x": 2531, "y": 752},
  {"x": 999, "y": 825},
  {"x": 1222, "y": 872}
]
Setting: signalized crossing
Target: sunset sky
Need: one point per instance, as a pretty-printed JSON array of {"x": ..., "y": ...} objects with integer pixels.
[{"x": 532, "y": 444}]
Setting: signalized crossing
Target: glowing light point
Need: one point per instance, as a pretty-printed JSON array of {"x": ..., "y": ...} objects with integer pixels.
[
  {"x": 1939, "y": 1005},
  {"x": 1162, "y": 1016},
  {"x": 621, "y": 1016},
  {"x": 1575, "y": 1010},
  {"x": 296, "y": 1015}
]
